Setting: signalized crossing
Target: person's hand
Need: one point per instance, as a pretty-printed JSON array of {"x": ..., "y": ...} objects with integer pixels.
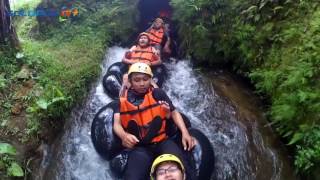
[
  {"x": 166, "y": 107},
  {"x": 129, "y": 140},
  {"x": 128, "y": 55},
  {"x": 188, "y": 141},
  {"x": 125, "y": 81},
  {"x": 154, "y": 84},
  {"x": 156, "y": 52}
]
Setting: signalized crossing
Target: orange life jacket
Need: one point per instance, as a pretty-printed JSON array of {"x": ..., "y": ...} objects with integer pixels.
[
  {"x": 143, "y": 115},
  {"x": 139, "y": 54},
  {"x": 156, "y": 36}
]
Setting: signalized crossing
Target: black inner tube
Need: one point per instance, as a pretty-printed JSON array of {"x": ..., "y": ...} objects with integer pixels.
[{"x": 108, "y": 145}]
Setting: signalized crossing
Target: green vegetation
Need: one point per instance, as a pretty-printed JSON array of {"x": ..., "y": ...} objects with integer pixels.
[
  {"x": 277, "y": 45},
  {"x": 274, "y": 43},
  {"x": 26, "y": 4},
  {"x": 58, "y": 62},
  {"x": 7, "y": 161}
]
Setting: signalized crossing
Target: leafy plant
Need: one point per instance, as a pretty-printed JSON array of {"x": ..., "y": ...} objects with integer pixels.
[
  {"x": 62, "y": 64},
  {"x": 274, "y": 43},
  {"x": 3, "y": 82},
  {"x": 51, "y": 105},
  {"x": 7, "y": 153}
]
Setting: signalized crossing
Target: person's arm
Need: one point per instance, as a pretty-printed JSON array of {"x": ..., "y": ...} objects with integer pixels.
[
  {"x": 188, "y": 141},
  {"x": 166, "y": 46},
  {"x": 127, "y": 59},
  {"x": 128, "y": 140},
  {"x": 117, "y": 127},
  {"x": 156, "y": 63},
  {"x": 157, "y": 56}
]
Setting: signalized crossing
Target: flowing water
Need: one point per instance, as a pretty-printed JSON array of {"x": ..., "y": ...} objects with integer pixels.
[{"x": 244, "y": 146}]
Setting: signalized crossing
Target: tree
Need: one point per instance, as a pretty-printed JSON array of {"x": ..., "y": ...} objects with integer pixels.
[{"x": 8, "y": 35}]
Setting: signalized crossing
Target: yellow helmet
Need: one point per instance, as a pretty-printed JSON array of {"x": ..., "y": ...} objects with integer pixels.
[
  {"x": 140, "y": 68},
  {"x": 163, "y": 158}
]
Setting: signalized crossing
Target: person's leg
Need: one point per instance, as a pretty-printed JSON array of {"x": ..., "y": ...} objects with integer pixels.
[
  {"x": 170, "y": 147},
  {"x": 139, "y": 164},
  {"x": 133, "y": 128},
  {"x": 154, "y": 128}
]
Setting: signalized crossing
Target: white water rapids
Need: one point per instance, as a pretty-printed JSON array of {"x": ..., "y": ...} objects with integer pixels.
[{"x": 241, "y": 152}]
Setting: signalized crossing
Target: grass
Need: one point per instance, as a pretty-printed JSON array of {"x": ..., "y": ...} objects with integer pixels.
[
  {"x": 68, "y": 60},
  {"x": 64, "y": 57}
]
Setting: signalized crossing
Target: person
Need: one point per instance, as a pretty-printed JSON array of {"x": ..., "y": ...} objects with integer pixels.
[
  {"x": 140, "y": 122},
  {"x": 167, "y": 167},
  {"x": 141, "y": 52},
  {"x": 158, "y": 33}
]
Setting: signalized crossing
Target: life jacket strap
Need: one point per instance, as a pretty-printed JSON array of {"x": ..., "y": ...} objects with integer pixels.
[
  {"x": 159, "y": 37},
  {"x": 140, "y": 110}
]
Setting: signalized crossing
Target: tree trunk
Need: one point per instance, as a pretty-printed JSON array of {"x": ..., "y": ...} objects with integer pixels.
[{"x": 8, "y": 34}]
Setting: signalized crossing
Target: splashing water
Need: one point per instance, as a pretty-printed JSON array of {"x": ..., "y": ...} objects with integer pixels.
[{"x": 241, "y": 150}]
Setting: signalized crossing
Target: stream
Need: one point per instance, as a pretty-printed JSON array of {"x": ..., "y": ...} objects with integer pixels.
[{"x": 218, "y": 104}]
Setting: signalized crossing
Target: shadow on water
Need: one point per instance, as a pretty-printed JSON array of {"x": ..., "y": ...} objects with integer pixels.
[{"x": 218, "y": 105}]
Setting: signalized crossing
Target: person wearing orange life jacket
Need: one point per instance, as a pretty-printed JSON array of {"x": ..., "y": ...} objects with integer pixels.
[
  {"x": 142, "y": 52},
  {"x": 158, "y": 33},
  {"x": 140, "y": 121}
]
